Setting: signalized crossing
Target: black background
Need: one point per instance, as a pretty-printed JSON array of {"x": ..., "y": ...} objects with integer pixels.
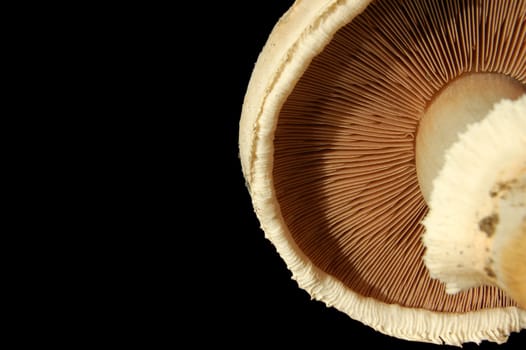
[{"x": 246, "y": 291}]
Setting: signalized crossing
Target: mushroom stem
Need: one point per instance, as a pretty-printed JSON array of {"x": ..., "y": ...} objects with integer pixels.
[{"x": 476, "y": 225}]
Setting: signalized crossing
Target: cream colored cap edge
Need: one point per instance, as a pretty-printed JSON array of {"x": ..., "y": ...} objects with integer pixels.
[{"x": 295, "y": 40}]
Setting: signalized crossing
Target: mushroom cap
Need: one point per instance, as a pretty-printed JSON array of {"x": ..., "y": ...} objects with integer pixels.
[{"x": 297, "y": 40}]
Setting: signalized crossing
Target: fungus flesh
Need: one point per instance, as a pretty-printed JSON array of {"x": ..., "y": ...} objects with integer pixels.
[{"x": 329, "y": 144}]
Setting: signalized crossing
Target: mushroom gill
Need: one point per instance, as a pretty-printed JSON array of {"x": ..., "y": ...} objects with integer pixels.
[{"x": 344, "y": 167}]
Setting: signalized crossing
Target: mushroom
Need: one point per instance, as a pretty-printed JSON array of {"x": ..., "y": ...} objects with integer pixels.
[{"x": 354, "y": 134}]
